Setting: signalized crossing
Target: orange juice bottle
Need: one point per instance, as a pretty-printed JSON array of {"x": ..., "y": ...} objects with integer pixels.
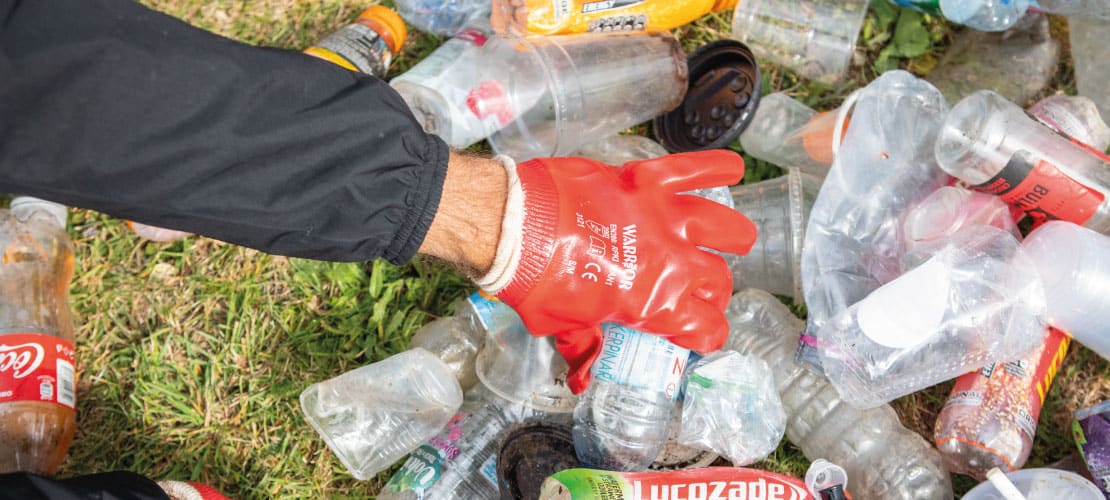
[
  {"x": 554, "y": 17},
  {"x": 367, "y": 45}
]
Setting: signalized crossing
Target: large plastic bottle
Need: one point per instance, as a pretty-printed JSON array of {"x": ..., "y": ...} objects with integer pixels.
[
  {"x": 521, "y": 378},
  {"x": 37, "y": 392},
  {"x": 545, "y": 17},
  {"x": 995, "y": 147},
  {"x": 442, "y": 17},
  {"x": 883, "y": 458},
  {"x": 621, "y": 421},
  {"x": 984, "y": 15}
]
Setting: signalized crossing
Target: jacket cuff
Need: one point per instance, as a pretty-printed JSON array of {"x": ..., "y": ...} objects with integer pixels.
[
  {"x": 422, "y": 201},
  {"x": 537, "y": 230}
]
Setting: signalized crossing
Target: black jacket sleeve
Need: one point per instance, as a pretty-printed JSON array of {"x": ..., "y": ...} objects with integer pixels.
[{"x": 110, "y": 106}]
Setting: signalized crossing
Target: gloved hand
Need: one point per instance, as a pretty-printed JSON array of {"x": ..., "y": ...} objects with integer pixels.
[{"x": 583, "y": 243}]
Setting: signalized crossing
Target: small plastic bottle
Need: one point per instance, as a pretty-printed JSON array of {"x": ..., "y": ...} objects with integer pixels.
[
  {"x": 983, "y": 15},
  {"x": 883, "y": 458},
  {"x": 367, "y": 45},
  {"x": 443, "y": 17},
  {"x": 996, "y": 148},
  {"x": 37, "y": 377},
  {"x": 621, "y": 421},
  {"x": 374, "y": 415}
]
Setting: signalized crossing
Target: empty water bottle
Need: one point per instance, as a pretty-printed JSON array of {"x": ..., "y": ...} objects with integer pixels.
[
  {"x": 443, "y": 17},
  {"x": 372, "y": 416},
  {"x": 620, "y": 422},
  {"x": 883, "y": 458},
  {"x": 985, "y": 15}
]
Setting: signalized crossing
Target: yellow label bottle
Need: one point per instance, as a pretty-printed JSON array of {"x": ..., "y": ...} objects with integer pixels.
[
  {"x": 366, "y": 45},
  {"x": 555, "y": 17}
]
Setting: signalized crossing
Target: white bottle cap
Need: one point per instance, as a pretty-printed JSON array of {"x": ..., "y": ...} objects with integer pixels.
[{"x": 24, "y": 206}]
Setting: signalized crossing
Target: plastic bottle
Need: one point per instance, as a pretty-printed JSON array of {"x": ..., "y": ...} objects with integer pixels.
[
  {"x": 983, "y": 15},
  {"x": 521, "y": 378},
  {"x": 621, "y": 421},
  {"x": 826, "y": 480},
  {"x": 37, "y": 392},
  {"x": 991, "y": 415},
  {"x": 436, "y": 88},
  {"x": 1074, "y": 116},
  {"x": 883, "y": 458},
  {"x": 455, "y": 340},
  {"x": 1092, "y": 67},
  {"x": 995, "y": 147},
  {"x": 374, "y": 415},
  {"x": 787, "y": 133},
  {"x": 443, "y": 17},
  {"x": 367, "y": 45},
  {"x": 544, "y": 17}
]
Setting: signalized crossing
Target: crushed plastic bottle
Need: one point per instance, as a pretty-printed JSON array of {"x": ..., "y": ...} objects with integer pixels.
[
  {"x": 990, "y": 417},
  {"x": 984, "y": 15},
  {"x": 886, "y": 165},
  {"x": 883, "y": 458},
  {"x": 732, "y": 408},
  {"x": 1017, "y": 63},
  {"x": 37, "y": 363},
  {"x": 372, "y": 416},
  {"x": 995, "y": 147},
  {"x": 621, "y": 420},
  {"x": 544, "y": 17},
  {"x": 780, "y": 210},
  {"x": 787, "y": 133},
  {"x": 455, "y": 340},
  {"x": 443, "y": 17},
  {"x": 971, "y": 304},
  {"x": 521, "y": 379},
  {"x": 436, "y": 88}
]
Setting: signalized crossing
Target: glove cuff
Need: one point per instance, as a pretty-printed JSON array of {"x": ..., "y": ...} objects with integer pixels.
[{"x": 534, "y": 231}]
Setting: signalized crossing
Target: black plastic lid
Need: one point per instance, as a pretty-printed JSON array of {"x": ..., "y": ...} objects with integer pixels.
[
  {"x": 833, "y": 493},
  {"x": 529, "y": 454},
  {"x": 725, "y": 86}
]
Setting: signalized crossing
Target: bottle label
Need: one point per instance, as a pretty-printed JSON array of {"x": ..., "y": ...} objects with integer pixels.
[
  {"x": 1042, "y": 191},
  {"x": 636, "y": 359},
  {"x": 488, "y": 470},
  {"x": 926, "y": 6},
  {"x": 37, "y": 367},
  {"x": 357, "y": 47},
  {"x": 484, "y": 307},
  {"x": 426, "y": 464}
]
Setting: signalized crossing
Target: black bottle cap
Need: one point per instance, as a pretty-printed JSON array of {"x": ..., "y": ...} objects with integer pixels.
[
  {"x": 529, "y": 454},
  {"x": 724, "y": 91},
  {"x": 833, "y": 493}
]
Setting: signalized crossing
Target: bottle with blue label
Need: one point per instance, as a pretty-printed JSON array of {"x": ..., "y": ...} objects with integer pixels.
[
  {"x": 621, "y": 421},
  {"x": 983, "y": 15},
  {"x": 520, "y": 378}
]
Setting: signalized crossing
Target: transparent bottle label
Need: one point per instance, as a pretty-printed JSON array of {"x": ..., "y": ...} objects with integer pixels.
[{"x": 636, "y": 359}]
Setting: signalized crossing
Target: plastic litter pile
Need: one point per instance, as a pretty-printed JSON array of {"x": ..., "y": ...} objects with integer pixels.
[{"x": 934, "y": 229}]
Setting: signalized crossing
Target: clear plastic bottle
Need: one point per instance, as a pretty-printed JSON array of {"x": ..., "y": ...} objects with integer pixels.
[
  {"x": 37, "y": 392},
  {"x": 374, "y": 415},
  {"x": 436, "y": 88},
  {"x": 1075, "y": 116},
  {"x": 883, "y": 458},
  {"x": 621, "y": 421},
  {"x": 367, "y": 45},
  {"x": 983, "y": 15},
  {"x": 995, "y": 147},
  {"x": 521, "y": 378},
  {"x": 443, "y": 17},
  {"x": 787, "y": 133},
  {"x": 455, "y": 340}
]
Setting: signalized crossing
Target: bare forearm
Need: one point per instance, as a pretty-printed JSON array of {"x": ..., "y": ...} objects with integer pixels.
[{"x": 467, "y": 225}]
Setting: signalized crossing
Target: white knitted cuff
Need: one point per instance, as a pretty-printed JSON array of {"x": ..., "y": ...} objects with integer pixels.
[{"x": 507, "y": 258}]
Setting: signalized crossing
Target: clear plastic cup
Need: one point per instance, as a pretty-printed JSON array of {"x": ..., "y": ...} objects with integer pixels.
[
  {"x": 1040, "y": 484},
  {"x": 815, "y": 38},
  {"x": 584, "y": 87},
  {"x": 1074, "y": 263},
  {"x": 787, "y": 133},
  {"x": 780, "y": 210},
  {"x": 524, "y": 369}
]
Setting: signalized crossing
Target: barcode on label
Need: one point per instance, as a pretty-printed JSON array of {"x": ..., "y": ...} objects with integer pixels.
[{"x": 66, "y": 393}]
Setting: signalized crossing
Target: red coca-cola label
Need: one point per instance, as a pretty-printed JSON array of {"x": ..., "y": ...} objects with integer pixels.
[
  {"x": 37, "y": 367},
  {"x": 1041, "y": 190}
]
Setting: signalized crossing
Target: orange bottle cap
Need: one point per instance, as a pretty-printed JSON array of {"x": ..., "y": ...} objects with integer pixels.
[
  {"x": 725, "y": 4},
  {"x": 393, "y": 24}
]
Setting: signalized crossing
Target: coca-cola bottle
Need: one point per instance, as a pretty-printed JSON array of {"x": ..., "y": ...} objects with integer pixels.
[{"x": 37, "y": 394}]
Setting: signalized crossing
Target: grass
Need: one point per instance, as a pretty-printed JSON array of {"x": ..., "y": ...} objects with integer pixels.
[{"x": 192, "y": 354}]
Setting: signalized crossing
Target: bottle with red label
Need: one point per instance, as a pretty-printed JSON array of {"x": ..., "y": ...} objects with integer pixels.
[
  {"x": 995, "y": 147},
  {"x": 37, "y": 377},
  {"x": 991, "y": 415}
]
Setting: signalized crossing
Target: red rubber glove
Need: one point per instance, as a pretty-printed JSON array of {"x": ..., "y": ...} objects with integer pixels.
[{"x": 584, "y": 243}]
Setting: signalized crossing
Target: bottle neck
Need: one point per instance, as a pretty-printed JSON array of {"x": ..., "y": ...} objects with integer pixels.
[{"x": 25, "y": 206}]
